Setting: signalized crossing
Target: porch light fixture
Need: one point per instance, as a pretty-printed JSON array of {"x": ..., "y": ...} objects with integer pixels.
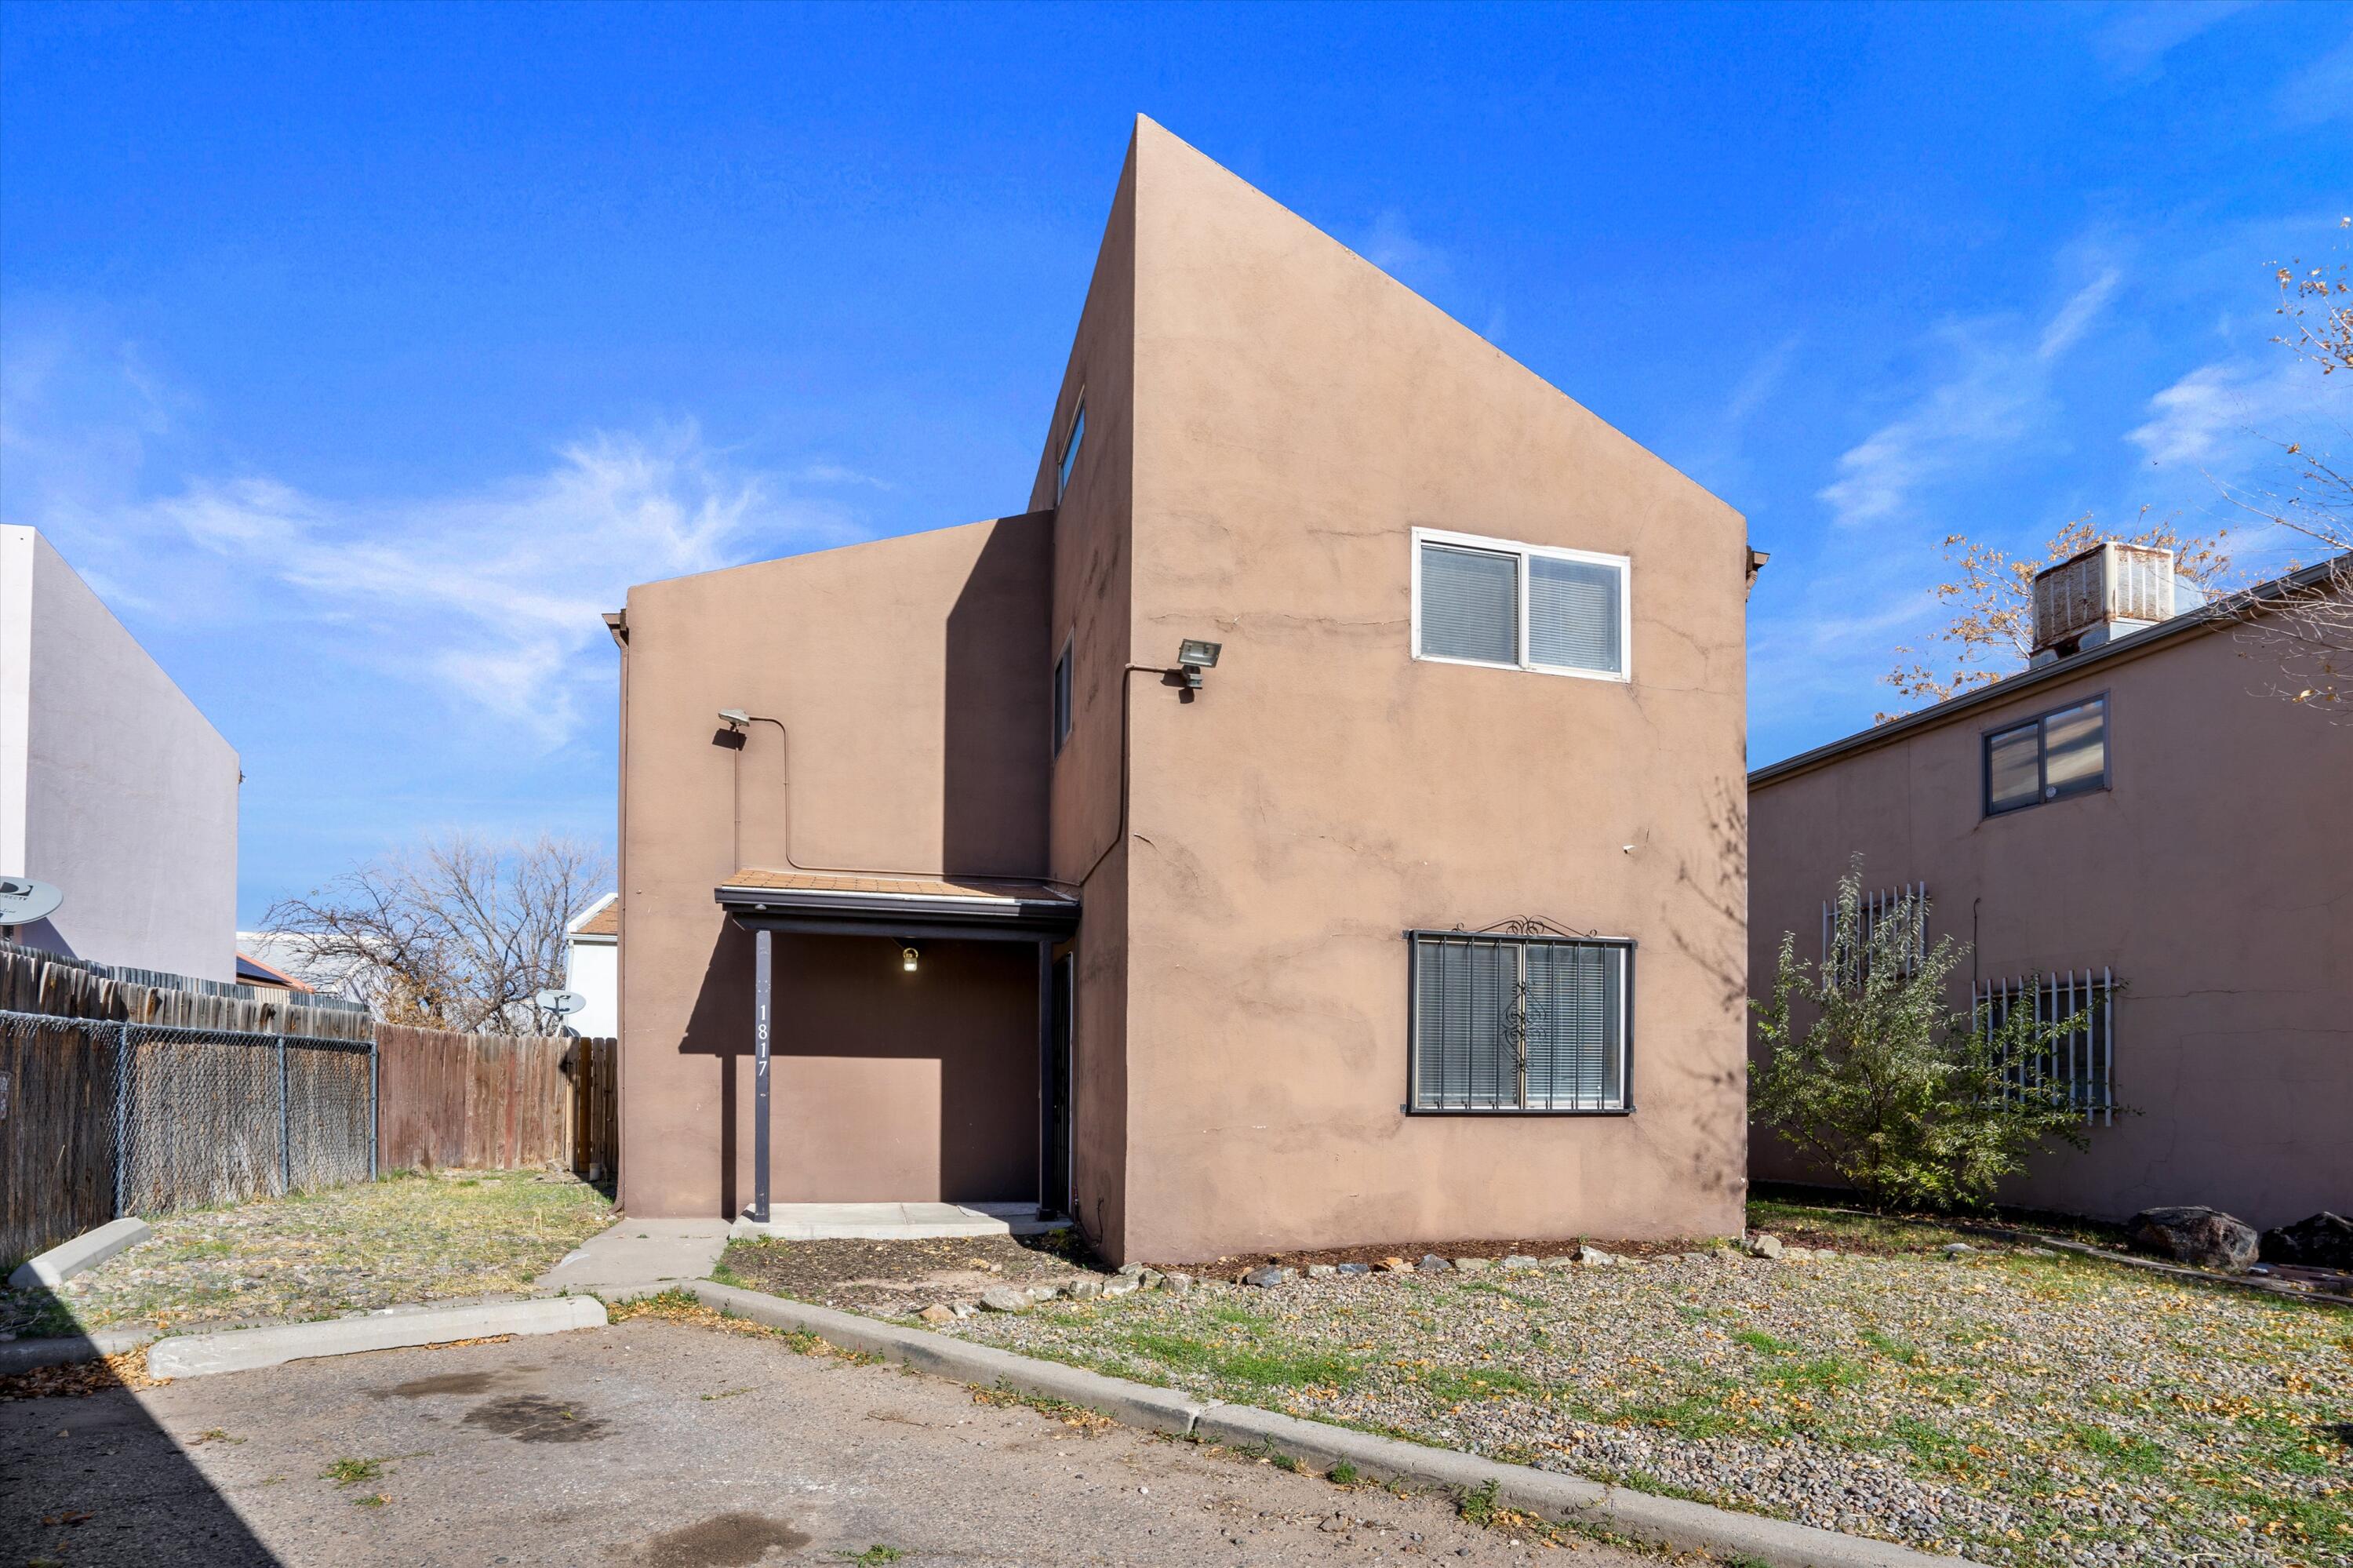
[
  {"x": 736, "y": 718},
  {"x": 1195, "y": 655},
  {"x": 907, "y": 957}
]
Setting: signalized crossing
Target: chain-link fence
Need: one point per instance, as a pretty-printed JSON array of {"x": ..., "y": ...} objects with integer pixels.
[{"x": 100, "y": 1119}]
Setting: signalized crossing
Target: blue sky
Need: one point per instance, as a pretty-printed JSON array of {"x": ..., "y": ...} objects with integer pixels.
[{"x": 361, "y": 356}]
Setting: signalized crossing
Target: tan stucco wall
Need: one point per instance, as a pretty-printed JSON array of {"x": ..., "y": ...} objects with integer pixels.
[
  {"x": 2212, "y": 878},
  {"x": 1298, "y": 413},
  {"x": 1091, "y": 606},
  {"x": 904, "y": 673}
]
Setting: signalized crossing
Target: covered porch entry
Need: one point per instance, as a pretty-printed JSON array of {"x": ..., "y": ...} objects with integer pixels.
[{"x": 909, "y": 1053}]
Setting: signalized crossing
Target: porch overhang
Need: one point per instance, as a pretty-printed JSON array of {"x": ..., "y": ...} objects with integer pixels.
[{"x": 825, "y": 903}]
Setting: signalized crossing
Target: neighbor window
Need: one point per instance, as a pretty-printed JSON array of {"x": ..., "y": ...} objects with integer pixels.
[
  {"x": 1520, "y": 1023},
  {"x": 2047, "y": 758},
  {"x": 1519, "y": 607},
  {"x": 1062, "y": 695},
  {"x": 1070, "y": 447}
]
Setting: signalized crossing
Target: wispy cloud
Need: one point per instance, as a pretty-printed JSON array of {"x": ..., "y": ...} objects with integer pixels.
[
  {"x": 2216, "y": 412},
  {"x": 2140, "y": 36},
  {"x": 1986, "y": 402},
  {"x": 488, "y": 597}
]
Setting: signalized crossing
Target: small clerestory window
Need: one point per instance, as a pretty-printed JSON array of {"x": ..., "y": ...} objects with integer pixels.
[
  {"x": 1071, "y": 445},
  {"x": 1505, "y": 1024},
  {"x": 1062, "y": 693}
]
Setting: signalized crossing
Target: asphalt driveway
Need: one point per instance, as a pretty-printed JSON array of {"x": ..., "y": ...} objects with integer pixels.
[{"x": 657, "y": 1444}]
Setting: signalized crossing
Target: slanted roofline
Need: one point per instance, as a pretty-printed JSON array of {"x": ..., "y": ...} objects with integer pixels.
[{"x": 2206, "y": 617}]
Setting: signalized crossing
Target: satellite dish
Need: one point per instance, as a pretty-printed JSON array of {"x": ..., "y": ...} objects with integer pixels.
[
  {"x": 562, "y": 1004},
  {"x": 24, "y": 901}
]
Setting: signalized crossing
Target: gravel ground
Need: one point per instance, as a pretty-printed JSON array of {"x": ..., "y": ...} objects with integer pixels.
[
  {"x": 2008, "y": 1407},
  {"x": 408, "y": 1237}
]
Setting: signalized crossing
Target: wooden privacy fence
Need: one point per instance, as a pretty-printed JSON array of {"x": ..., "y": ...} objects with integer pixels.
[
  {"x": 493, "y": 1101},
  {"x": 35, "y": 982}
]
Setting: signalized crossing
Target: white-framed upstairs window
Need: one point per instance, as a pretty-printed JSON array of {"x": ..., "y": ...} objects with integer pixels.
[{"x": 1511, "y": 605}]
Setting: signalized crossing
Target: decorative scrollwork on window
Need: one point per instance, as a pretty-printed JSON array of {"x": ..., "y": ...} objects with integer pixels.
[{"x": 1528, "y": 926}]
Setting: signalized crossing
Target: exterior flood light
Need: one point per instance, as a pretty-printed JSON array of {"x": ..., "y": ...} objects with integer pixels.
[
  {"x": 907, "y": 957},
  {"x": 1194, "y": 655},
  {"x": 737, "y": 717}
]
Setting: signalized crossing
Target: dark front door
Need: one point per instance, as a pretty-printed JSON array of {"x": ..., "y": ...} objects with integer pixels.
[{"x": 1055, "y": 1198}]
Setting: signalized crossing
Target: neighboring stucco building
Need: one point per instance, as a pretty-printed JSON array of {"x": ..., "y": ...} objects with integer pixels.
[
  {"x": 2142, "y": 810},
  {"x": 592, "y": 966},
  {"x": 1197, "y": 964},
  {"x": 114, "y": 787}
]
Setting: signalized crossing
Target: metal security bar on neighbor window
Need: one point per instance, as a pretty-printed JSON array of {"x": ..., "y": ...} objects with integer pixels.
[
  {"x": 2080, "y": 1062},
  {"x": 1874, "y": 911}
]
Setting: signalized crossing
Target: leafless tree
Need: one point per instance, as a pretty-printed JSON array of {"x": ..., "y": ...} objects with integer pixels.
[{"x": 461, "y": 932}]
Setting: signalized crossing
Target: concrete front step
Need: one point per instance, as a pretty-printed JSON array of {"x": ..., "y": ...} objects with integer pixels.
[{"x": 896, "y": 1221}]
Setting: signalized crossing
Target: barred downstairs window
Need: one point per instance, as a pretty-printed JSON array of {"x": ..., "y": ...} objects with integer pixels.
[{"x": 1520, "y": 1023}]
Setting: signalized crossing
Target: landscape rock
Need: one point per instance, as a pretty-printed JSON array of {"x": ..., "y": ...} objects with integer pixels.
[
  {"x": 2321, "y": 1241},
  {"x": 1150, "y": 1278},
  {"x": 1321, "y": 1271},
  {"x": 1764, "y": 1244},
  {"x": 1558, "y": 1261},
  {"x": 1472, "y": 1264},
  {"x": 935, "y": 1313},
  {"x": 1119, "y": 1285},
  {"x": 1520, "y": 1260},
  {"x": 1396, "y": 1265},
  {"x": 1132, "y": 1270},
  {"x": 1266, "y": 1277},
  {"x": 1956, "y": 1249},
  {"x": 1432, "y": 1264},
  {"x": 964, "y": 1308},
  {"x": 1354, "y": 1268},
  {"x": 1083, "y": 1289},
  {"x": 1005, "y": 1298},
  {"x": 1178, "y": 1284},
  {"x": 1044, "y": 1292},
  {"x": 2197, "y": 1235},
  {"x": 1594, "y": 1254}
]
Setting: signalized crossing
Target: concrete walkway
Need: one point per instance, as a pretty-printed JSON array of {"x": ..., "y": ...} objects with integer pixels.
[{"x": 649, "y": 1252}]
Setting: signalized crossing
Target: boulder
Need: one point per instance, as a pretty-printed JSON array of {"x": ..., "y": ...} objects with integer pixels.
[
  {"x": 1150, "y": 1278},
  {"x": 1119, "y": 1285},
  {"x": 1044, "y": 1292},
  {"x": 2199, "y": 1237},
  {"x": 1432, "y": 1264},
  {"x": 1321, "y": 1271},
  {"x": 2323, "y": 1241},
  {"x": 1471, "y": 1265},
  {"x": 1594, "y": 1254},
  {"x": 1396, "y": 1266},
  {"x": 935, "y": 1313},
  {"x": 1005, "y": 1298},
  {"x": 1083, "y": 1289},
  {"x": 1558, "y": 1261},
  {"x": 1764, "y": 1244},
  {"x": 1267, "y": 1276},
  {"x": 1516, "y": 1262},
  {"x": 1176, "y": 1284},
  {"x": 1352, "y": 1268},
  {"x": 1132, "y": 1270}
]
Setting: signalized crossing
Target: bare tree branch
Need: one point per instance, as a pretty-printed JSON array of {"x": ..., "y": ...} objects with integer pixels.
[{"x": 459, "y": 933}]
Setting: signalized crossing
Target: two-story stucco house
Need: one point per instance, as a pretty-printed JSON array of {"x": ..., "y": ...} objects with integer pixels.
[
  {"x": 1304, "y": 821},
  {"x": 2137, "y": 833}
]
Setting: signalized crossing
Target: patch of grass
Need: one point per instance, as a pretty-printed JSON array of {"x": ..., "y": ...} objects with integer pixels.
[
  {"x": 1694, "y": 1415},
  {"x": 1459, "y": 1385},
  {"x": 374, "y": 1499},
  {"x": 2133, "y": 1456},
  {"x": 1932, "y": 1447},
  {"x": 1479, "y": 1506},
  {"x": 1484, "y": 1288},
  {"x": 1765, "y": 1344},
  {"x": 1250, "y": 1365},
  {"x": 723, "y": 1275},
  {"x": 1894, "y": 1349},
  {"x": 872, "y": 1557},
  {"x": 1343, "y": 1474},
  {"x": 352, "y": 1472}
]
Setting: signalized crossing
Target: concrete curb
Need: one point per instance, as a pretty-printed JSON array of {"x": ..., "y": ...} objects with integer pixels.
[
  {"x": 242, "y": 1350},
  {"x": 86, "y": 1251},
  {"x": 24, "y": 1355},
  {"x": 1665, "y": 1521}
]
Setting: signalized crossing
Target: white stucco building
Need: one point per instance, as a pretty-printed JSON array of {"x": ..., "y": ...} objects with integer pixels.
[
  {"x": 114, "y": 785},
  {"x": 592, "y": 966}
]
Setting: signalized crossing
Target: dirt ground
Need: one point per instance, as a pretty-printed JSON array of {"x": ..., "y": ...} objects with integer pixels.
[{"x": 867, "y": 1275}]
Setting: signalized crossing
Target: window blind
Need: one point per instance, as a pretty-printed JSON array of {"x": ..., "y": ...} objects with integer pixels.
[
  {"x": 1469, "y": 604},
  {"x": 1573, "y": 614}
]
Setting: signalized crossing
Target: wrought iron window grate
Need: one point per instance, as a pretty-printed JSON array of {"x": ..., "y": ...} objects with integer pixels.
[
  {"x": 1507, "y": 1022},
  {"x": 1905, "y": 905}
]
